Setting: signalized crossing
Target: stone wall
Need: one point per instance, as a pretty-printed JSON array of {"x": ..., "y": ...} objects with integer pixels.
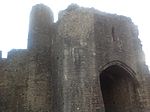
[{"x": 14, "y": 77}]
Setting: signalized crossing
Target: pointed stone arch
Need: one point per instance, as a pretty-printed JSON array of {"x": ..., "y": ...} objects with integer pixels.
[
  {"x": 119, "y": 87},
  {"x": 123, "y": 66}
]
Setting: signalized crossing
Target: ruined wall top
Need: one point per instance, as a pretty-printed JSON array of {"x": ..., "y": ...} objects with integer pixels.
[
  {"x": 41, "y": 14},
  {"x": 41, "y": 20},
  {"x": 76, "y": 8}
]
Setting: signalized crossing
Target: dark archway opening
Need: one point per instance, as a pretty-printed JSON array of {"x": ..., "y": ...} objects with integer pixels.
[{"x": 119, "y": 90}]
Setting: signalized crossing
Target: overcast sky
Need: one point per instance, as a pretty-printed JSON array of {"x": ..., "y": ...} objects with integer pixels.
[{"x": 14, "y": 16}]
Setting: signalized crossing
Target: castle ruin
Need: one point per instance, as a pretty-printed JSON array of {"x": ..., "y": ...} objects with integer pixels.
[{"x": 88, "y": 61}]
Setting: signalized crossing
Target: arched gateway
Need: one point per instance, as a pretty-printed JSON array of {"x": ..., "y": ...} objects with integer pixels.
[{"x": 119, "y": 88}]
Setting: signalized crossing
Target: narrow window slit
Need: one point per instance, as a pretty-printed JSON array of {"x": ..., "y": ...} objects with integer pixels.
[{"x": 113, "y": 34}]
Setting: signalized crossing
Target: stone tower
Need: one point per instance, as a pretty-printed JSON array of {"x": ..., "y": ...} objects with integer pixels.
[{"x": 88, "y": 61}]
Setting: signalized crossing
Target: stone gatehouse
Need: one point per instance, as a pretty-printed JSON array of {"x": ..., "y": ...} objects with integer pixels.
[{"x": 88, "y": 61}]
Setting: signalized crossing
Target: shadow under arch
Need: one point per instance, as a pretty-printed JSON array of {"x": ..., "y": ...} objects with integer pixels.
[
  {"x": 123, "y": 66},
  {"x": 119, "y": 87}
]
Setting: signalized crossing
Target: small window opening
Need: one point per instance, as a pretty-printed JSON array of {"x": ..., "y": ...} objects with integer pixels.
[{"x": 113, "y": 34}]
